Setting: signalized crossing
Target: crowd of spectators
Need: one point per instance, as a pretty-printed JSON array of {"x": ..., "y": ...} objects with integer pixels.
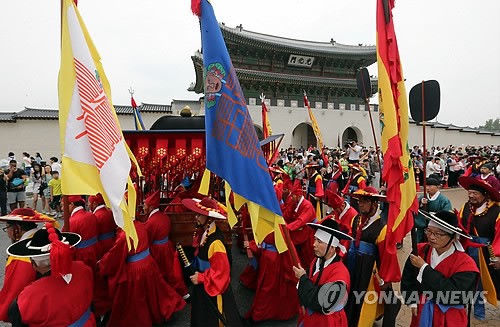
[
  {"x": 30, "y": 175},
  {"x": 446, "y": 164}
]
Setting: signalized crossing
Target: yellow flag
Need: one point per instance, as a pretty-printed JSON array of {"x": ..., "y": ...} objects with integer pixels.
[{"x": 96, "y": 158}]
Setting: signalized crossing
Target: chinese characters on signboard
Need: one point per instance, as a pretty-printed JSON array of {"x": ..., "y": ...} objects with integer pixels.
[{"x": 300, "y": 61}]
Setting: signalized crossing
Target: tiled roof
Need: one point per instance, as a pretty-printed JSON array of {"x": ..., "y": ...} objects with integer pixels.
[
  {"x": 295, "y": 79},
  {"x": 261, "y": 76},
  {"x": 144, "y": 107},
  {"x": 6, "y": 117},
  {"x": 34, "y": 113},
  {"x": 452, "y": 127},
  {"x": 325, "y": 49}
]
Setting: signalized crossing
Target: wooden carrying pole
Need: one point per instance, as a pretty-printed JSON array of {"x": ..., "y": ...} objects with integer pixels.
[
  {"x": 424, "y": 157},
  {"x": 66, "y": 213},
  {"x": 367, "y": 102},
  {"x": 365, "y": 92},
  {"x": 414, "y": 249},
  {"x": 289, "y": 244}
]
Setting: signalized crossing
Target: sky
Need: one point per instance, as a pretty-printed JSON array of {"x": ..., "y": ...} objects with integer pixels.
[{"x": 147, "y": 45}]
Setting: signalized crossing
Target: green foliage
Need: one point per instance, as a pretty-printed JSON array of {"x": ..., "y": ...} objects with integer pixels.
[{"x": 492, "y": 125}]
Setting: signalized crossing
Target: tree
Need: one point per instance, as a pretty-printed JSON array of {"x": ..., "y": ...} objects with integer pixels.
[{"x": 491, "y": 125}]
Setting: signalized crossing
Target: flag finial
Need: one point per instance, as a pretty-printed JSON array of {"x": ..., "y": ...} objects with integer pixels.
[{"x": 196, "y": 7}]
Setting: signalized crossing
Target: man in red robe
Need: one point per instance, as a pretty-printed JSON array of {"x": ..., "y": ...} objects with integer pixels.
[
  {"x": 277, "y": 176},
  {"x": 63, "y": 294},
  {"x": 365, "y": 258},
  {"x": 276, "y": 283},
  {"x": 140, "y": 295},
  {"x": 323, "y": 291},
  {"x": 342, "y": 211},
  {"x": 106, "y": 235},
  {"x": 20, "y": 225},
  {"x": 315, "y": 190},
  {"x": 303, "y": 212},
  {"x": 162, "y": 250},
  {"x": 336, "y": 179},
  {"x": 356, "y": 181},
  {"x": 212, "y": 301},
  {"x": 442, "y": 270},
  {"x": 83, "y": 223},
  {"x": 106, "y": 226}
]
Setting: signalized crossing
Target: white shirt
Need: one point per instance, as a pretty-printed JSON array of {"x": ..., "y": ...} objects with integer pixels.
[
  {"x": 430, "y": 168},
  {"x": 354, "y": 152},
  {"x": 327, "y": 262},
  {"x": 372, "y": 219},
  {"x": 153, "y": 212},
  {"x": 56, "y": 167},
  {"x": 434, "y": 197},
  {"x": 299, "y": 203},
  {"x": 76, "y": 210},
  {"x": 99, "y": 207},
  {"x": 347, "y": 206},
  {"x": 435, "y": 260}
]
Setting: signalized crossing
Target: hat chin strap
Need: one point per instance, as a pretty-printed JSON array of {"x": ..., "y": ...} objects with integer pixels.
[{"x": 322, "y": 259}]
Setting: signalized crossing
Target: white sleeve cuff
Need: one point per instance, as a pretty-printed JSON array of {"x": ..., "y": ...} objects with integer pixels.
[{"x": 421, "y": 272}]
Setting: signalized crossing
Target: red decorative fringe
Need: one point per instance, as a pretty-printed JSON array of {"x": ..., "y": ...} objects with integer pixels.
[
  {"x": 196, "y": 7},
  {"x": 60, "y": 253}
]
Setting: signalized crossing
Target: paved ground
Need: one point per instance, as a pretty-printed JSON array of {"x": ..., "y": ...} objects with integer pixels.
[{"x": 244, "y": 296}]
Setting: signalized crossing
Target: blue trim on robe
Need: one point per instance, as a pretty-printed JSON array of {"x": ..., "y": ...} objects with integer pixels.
[
  {"x": 138, "y": 256},
  {"x": 82, "y": 320},
  {"x": 105, "y": 236},
  {"x": 162, "y": 241},
  {"x": 427, "y": 313},
  {"x": 87, "y": 243}
]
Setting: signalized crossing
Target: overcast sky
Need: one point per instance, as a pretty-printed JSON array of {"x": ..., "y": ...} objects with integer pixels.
[{"x": 147, "y": 45}]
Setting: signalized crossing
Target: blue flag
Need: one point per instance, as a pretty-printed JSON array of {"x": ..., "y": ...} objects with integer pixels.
[{"x": 233, "y": 150}]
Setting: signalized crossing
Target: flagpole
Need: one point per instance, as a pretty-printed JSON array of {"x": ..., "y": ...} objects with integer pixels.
[
  {"x": 65, "y": 203},
  {"x": 367, "y": 104},
  {"x": 374, "y": 136}
]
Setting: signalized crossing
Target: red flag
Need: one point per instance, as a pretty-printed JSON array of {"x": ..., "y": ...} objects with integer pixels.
[
  {"x": 266, "y": 125},
  {"x": 393, "y": 105}
]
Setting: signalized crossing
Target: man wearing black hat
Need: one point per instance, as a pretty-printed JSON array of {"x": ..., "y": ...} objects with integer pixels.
[
  {"x": 323, "y": 291},
  {"x": 212, "y": 301},
  {"x": 63, "y": 294},
  {"x": 480, "y": 216},
  {"x": 435, "y": 283},
  {"x": 364, "y": 261},
  {"x": 315, "y": 190},
  {"x": 20, "y": 225},
  {"x": 434, "y": 202}
]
